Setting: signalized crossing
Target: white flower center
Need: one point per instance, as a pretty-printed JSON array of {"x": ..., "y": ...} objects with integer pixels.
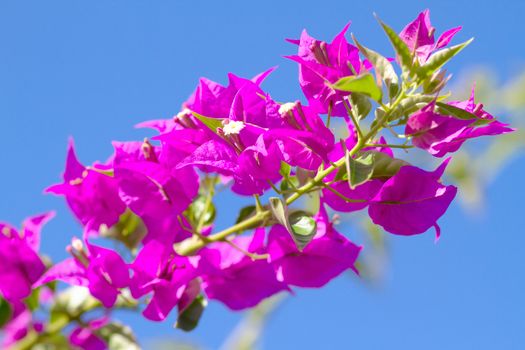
[
  {"x": 286, "y": 107},
  {"x": 233, "y": 127},
  {"x": 77, "y": 244},
  {"x": 182, "y": 114}
]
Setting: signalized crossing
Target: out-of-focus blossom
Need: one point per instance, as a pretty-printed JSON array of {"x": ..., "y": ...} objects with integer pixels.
[{"x": 20, "y": 265}]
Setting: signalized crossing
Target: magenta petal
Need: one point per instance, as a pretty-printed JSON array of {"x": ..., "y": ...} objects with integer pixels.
[
  {"x": 411, "y": 201},
  {"x": 31, "y": 229},
  {"x": 214, "y": 154},
  {"x": 235, "y": 279},
  {"x": 164, "y": 300},
  {"x": 86, "y": 339},
  {"x": 241, "y": 287},
  {"x": 69, "y": 271},
  {"x": 446, "y": 37},
  {"x": 365, "y": 192},
  {"x": 323, "y": 259},
  {"x": 146, "y": 266}
]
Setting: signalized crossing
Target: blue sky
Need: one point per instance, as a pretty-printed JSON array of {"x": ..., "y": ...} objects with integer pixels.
[{"x": 93, "y": 69}]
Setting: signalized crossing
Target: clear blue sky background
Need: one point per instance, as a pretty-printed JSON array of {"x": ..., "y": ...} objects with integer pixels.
[{"x": 93, "y": 69}]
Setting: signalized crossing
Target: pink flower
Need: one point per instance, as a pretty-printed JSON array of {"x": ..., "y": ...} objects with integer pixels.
[
  {"x": 20, "y": 265},
  {"x": 322, "y": 64},
  {"x": 86, "y": 338},
  {"x": 153, "y": 188},
  {"x": 412, "y": 201},
  {"x": 236, "y": 280},
  {"x": 91, "y": 195},
  {"x": 99, "y": 269},
  {"x": 326, "y": 256},
  {"x": 19, "y": 326},
  {"x": 441, "y": 134},
  {"x": 169, "y": 277},
  {"x": 419, "y": 36}
]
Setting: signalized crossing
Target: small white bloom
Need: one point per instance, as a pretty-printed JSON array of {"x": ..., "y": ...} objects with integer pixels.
[
  {"x": 286, "y": 107},
  {"x": 77, "y": 244},
  {"x": 182, "y": 114},
  {"x": 233, "y": 127}
]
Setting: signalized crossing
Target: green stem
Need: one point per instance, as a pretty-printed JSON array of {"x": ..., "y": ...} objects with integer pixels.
[
  {"x": 388, "y": 145},
  {"x": 252, "y": 256},
  {"x": 342, "y": 196},
  {"x": 258, "y": 204},
  {"x": 354, "y": 119}
]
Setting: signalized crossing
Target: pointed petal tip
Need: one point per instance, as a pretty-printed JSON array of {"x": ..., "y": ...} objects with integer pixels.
[{"x": 438, "y": 233}]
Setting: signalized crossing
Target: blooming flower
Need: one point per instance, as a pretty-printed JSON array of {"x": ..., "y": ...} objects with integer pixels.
[
  {"x": 20, "y": 265},
  {"x": 236, "y": 280},
  {"x": 325, "y": 257},
  {"x": 419, "y": 36},
  {"x": 91, "y": 195},
  {"x": 158, "y": 270},
  {"x": 99, "y": 269},
  {"x": 441, "y": 134},
  {"x": 412, "y": 201},
  {"x": 153, "y": 188},
  {"x": 20, "y": 325},
  {"x": 256, "y": 135},
  {"x": 322, "y": 64},
  {"x": 86, "y": 338}
]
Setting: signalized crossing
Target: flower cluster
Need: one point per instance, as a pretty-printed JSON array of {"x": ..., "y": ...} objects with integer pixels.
[{"x": 156, "y": 196}]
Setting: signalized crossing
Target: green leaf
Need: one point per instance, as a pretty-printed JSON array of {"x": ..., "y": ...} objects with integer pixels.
[
  {"x": 436, "y": 82},
  {"x": 279, "y": 212},
  {"x": 189, "y": 318},
  {"x": 455, "y": 111},
  {"x": 5, "y": 312},
  {"x": 381, "y": 65},
  {"x": 303, "y": 175},
  {"x": 245, "y": 213},
  {"x": 301, "y": 226},
  {"x": 288, "y": 186},
  {"x": 341, "y": 174},
  {"x": 212, "y": 123},
  {"x": 386, "y": 166},
  {"x": 304, "y": 228},
  {"x": 285, "y": 169},
  {"x": 405, "y": 57},
  {"x": 31, "y": 301},
  {"x": 410, "y": 105},
  {"x": 359, "y": 169},
  {"x": 439, "y": 58},
  {"x": 361, "y": 106},
  {"x": 130, "y": 230},
  {"x": 197, "y": 210},
  {"x": 364, "y": 84}
]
